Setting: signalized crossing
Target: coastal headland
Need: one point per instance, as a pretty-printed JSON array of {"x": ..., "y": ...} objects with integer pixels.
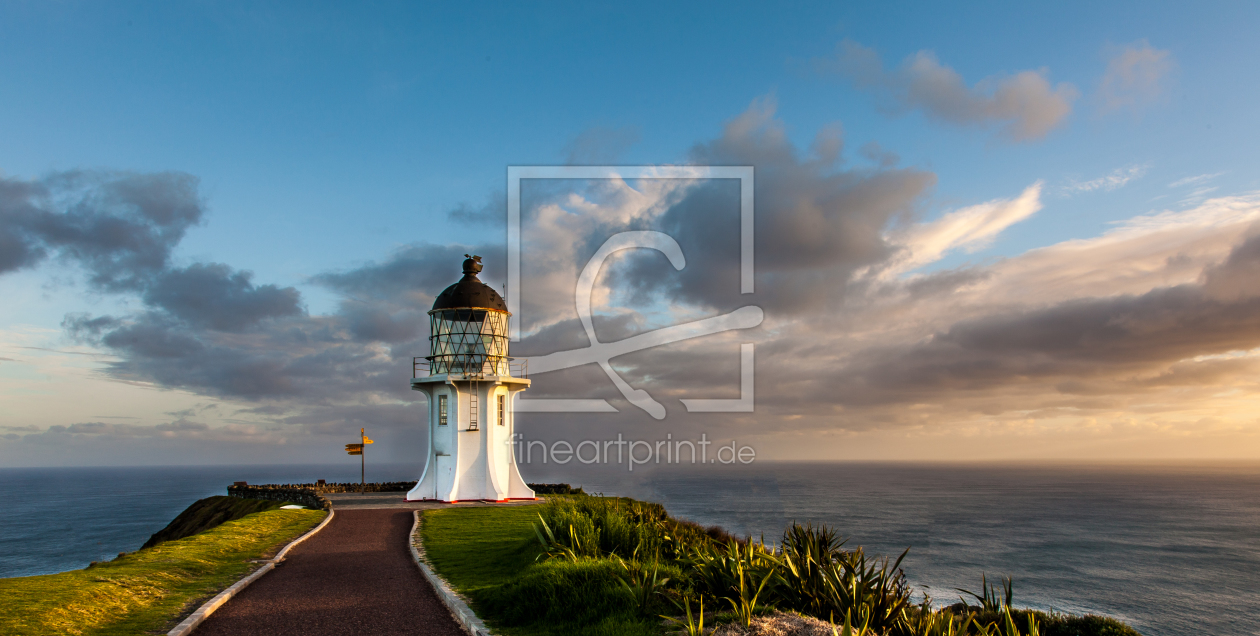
[{"x": 567, "y": 564}]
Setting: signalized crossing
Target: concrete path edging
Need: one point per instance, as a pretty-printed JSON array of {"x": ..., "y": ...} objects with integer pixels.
[
  {"x": 208, "y": 608},
  {"x": 459, "y": 609}
]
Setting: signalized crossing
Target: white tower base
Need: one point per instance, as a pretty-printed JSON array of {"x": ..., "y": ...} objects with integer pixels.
[{"x": 471, "y": 446}]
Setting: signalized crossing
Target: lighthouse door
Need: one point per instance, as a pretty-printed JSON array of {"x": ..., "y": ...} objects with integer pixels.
[{"x": 445, "y": 477}]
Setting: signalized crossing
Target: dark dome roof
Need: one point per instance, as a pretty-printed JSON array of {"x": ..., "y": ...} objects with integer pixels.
[{"x": 470, "y": 292}]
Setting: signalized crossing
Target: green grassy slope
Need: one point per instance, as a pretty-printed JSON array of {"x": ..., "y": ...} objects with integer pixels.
[
  {"x": 208, "y": 513},
  {"x": 149, "y": 591}
]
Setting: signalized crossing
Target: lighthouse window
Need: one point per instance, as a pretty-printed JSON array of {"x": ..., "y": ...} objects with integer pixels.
[
  {"x": 442, "y": 410},
  {"x": 502, "y": 401}
]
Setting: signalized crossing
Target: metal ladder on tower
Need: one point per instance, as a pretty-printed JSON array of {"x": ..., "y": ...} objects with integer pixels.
[{"x": 472, "y": 405}]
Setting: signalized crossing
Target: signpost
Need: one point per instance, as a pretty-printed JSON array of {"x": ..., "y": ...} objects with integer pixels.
[{"x": 357, "y": 449}]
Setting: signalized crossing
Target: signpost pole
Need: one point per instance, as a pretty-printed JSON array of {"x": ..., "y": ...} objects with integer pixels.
[{"x": 362, "y": 462}]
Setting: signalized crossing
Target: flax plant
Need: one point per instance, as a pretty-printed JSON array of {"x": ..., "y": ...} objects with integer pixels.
[
  {"x": 692, "y": 626},
  {"x": 848, "y": 628},
  {"x": 926, "y": 622},
  {"x": 1007, "y": 626},
  {"x": 989, "y": 599},
  {"x": 875, "y": 591},
  {"x": 642, "y": 587},
  {"x": 806, "y": 554}
]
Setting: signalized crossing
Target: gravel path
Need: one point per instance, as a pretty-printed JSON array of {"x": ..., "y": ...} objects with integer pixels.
[{"x": 355, "y": 576}]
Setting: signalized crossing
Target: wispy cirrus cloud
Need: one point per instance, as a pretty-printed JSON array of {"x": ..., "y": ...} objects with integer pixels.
[
  {"x": 1195, "y": 180},
  {"x": 1118, "y": 178},
  {"x": 1025, "y": 106}
]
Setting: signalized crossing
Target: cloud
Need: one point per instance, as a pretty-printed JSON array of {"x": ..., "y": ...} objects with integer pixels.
[
  {"x": 1197, "y": 195},
  {"x": 970, "y": 228},
  {"x": 816, "y": 223},
  {"x": 1135, "y": 76},
  {"x": 121, "y": 226},
  {"x": 877, "y": 154},
  {"x": 1120, "y": 340},
  {"x": 1117, "y": 179},
  {"x": 300, "y": 357},
  {"x": 212, "y": 295},
  {"x": 489, "y": 213},
  {"x": 178, "y": 430},
  {"x": 1195, "y": 180},
  {"x": 1149, "y": 306},
  {"x": 1025, "y": 104}
]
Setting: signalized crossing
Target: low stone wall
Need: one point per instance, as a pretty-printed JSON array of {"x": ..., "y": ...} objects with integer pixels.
[
  {"x": 311, "y": 495},
  {"x": 304, "y": 496}
]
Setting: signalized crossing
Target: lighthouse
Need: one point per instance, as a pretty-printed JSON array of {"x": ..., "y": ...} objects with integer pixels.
[{"x": 468, "y": 379}]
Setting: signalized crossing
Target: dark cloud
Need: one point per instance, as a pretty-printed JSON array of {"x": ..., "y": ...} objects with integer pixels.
[
  {"x": 492, "y": 212},
  {"x": 120, "y": 226},
  {"x": 815, "y": 223},
  {"x": 1238, "y": 277},
  {"x": 413, "y": 275},
  {"x": 944, "y": 282},
  {"x": 373, "y": 324},
  {"x": 389, "y": 301},
  {"x": 213, "y": 296},
  {"x": 1071, "y": 343},
  {"x": 315, "y": 358}
]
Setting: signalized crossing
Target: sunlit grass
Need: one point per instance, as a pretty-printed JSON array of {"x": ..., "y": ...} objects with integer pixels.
[
  {"x": 151, "y": 590},
  {"x": 490, "y": 556}
]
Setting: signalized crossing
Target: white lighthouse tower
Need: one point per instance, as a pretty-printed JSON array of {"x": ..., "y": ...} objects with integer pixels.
[{"x": 467, "y": 377}]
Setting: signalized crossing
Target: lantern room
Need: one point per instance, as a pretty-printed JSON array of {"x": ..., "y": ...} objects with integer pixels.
[{"x": 468, "y": 327}]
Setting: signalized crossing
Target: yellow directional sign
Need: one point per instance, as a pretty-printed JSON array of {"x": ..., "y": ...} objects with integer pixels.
[
  {"x": 354, "y": 449},
  {"x": 367, "y": 441}
]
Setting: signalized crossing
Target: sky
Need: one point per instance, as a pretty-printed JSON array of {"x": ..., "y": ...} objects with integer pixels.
[{"x": 1005, "y": 232}]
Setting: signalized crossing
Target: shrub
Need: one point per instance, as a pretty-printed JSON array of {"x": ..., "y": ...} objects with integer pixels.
[
  {"x": 719, "y": 570},
  {"x": 555, "y": 489}
]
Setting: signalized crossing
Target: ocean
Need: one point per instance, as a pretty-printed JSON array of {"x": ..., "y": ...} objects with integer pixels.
[{"x": 1169, "y": 549}]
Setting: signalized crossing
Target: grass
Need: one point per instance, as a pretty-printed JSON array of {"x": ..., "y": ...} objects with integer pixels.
[
  {"x": 478, "y": 548},
  {"x": 208, "y": 513},
  {"x": 490, "y": 556},
  {"x": 149, "y": 591}
]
